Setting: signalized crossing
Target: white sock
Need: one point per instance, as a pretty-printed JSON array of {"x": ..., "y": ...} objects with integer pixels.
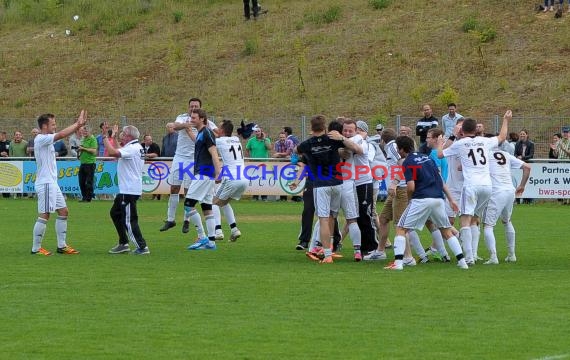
[
  {"x": 416, "y": 244},
  {"x": 315, "y": 235},
  {"x": 454, "y": 246},
  {"x": 510, "y": 236},
  {"x": 195, "y": 218},
  {"x": 172, "y": 205},
  {"x": 475, "y": 233},
  {"x": 61, "y": 231},
  {"x": 399, "y": 245},
  {"x": 466, "y": 242},
  {"x": 217, "y": 215},
  {"x": 490, "y": 241},
  {"x": 211, "y": 226},
  {"x": 38, "y": 234},
  {"x": 438, "y": 242},
  {"x": 355, "y": 234},
  {"x": 229, "y": 214}
]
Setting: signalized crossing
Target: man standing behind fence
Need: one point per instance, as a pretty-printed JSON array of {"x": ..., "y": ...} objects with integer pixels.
[{"x": 87, "y": 157}]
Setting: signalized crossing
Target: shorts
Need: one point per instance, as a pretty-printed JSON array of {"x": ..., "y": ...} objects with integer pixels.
[
  {"x": 394, "y": 208},
  {"x": 327, "y": 200},
  {"x": 349, "y": 200},
  {"x": 201, "y": 190},
  {"x": 176, "y": 177},
  {"x": 474, "y": 199},
  {"x": 50, "y": 198},
  {"x": 500, "y": 205},
  {"x": 231, "y": 189},
  {"x": 457, "y": 198},
  {"x": 419, "y": 211}
]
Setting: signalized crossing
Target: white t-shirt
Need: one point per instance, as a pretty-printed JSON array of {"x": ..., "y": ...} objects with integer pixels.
[
  {"x": 130, "y": 168},
  {"x": 474, "y": 153},
  {"x": 44, "y": 153},
  {"x": 392, "y": 159},
  {"x": 359, "y": 160},
  {"x": 501, "y": 164},
  {"x": 230, "y": 149},
  {"x": 184, "y": 144},
  {"x": 454, "y": 179}
]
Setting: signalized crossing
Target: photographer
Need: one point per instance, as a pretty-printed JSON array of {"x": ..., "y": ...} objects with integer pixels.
[{"x": 87, "y": 156}]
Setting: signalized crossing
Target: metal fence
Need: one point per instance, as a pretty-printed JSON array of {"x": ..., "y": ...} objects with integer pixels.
[{"x": 540, "y": 128}]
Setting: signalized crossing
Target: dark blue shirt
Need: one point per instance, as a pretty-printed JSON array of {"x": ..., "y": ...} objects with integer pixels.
[
  {"x": 203, "y": 164},
  {"x": 321, "y": 153},
  {"x": 422, "y": 170}
]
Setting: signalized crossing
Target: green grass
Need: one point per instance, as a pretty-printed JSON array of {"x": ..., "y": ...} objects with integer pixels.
[{"x": 260, "y": 299}]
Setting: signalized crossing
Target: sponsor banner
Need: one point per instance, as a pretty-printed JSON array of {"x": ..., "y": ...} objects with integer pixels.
[
  {"x": 67, "y": 176},
  {"x": 11, "y": 177},
  {"x": 546, "y": 181}
]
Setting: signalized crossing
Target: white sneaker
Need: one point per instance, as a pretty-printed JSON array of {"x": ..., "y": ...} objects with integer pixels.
[
  {"x": 511, "y": 258},
  {"x": 235, "y": 234},
  {"x": 462, "y": 264},
  {"x": 409, "y": 261},
  {"x": 219, "y": 234},
  {"x": 492, "y": 261},
  {"x": 477, "y": 258},
  {"x": 470, "y": 262},
  {"x": 375, "y": 255}
]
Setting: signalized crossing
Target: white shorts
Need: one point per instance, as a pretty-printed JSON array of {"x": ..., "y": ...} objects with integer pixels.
[
  {"x": 419, "y": 211},
  {"x": 201, "y": 190},
  {"x": 177, "y": 178},
  {"x": 349, "y": 200},
  {"x": 327, "y": 200},
  {"x": 457, "y": 198},
  {"x": 50, "y": 198},
  {"x": 474, "y": 199},
  {"x": 231, "y": 189},
  {"x": 500, "y": 205}
]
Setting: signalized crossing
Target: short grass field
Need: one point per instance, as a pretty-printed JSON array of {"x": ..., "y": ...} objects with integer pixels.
[{"x": 258, "y": 298}]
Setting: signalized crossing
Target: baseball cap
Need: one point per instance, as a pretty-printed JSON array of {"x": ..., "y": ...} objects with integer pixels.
[
  {"x": 362, "y": 125},
  {"x": 255, "y": 128},
  {"x": 379, "y": 127},
  {"x": 566, "y": 129}
]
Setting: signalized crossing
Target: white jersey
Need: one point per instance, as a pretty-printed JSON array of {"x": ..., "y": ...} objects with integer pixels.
[
  {"x": 360, "y": 161},
  {"x": 130, "y": 168},
  {"x": 44, "y": 153},
  {"x": 475, "y": 156},
  {"x": 501, "y": 164},
  {"x": 454, "y": 179},
  {"x": 230, "y": 149},
  {"x": 184, "y": 144},
  {"x": 392, "y": 159}
]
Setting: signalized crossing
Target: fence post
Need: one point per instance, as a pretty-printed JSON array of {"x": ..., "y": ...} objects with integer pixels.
[
  {"x": 496, "y": 124},
  {"x": 123, "y": 120},
  {"x": 303, "y": 127},
  {"x": 398, "y": 123}
]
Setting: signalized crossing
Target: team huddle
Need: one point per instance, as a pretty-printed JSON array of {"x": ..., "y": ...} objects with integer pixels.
[{"x": 477, "y": 187}]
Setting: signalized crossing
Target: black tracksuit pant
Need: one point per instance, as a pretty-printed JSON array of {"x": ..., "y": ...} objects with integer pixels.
[{"x": 126, "y": 220}]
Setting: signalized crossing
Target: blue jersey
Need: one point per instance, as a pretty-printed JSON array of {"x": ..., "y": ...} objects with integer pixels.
[
  {"x": 440, "y": 163},
  {"x": 421, "y": 169}
]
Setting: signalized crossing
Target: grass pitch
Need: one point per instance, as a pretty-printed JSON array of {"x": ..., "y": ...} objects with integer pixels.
[{"x": 260, "y": 299}]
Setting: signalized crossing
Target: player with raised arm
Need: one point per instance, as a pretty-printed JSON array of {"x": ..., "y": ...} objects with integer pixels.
[
  {"x": 50, "y": 197},
  {"x": 501, "y": 202},
  {"x": 474, "y": 153}
]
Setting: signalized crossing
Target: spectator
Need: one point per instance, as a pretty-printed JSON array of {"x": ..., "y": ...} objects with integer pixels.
[
  {"x": 4, "y": 145},
  {"x": 449, "y": 120},
  {"x": 257, "y": 148},
  {"x": 19, "y": 146},
  {"x": 407, "y": 131},
  {"x": 547, "y": 7},
  {"x": 169, "y": 141},
  {"x": 74, "y": 142},
  {"x": 424, "y": 124},
  {"x": 290, "y": 135},
  {"x": 100, "y": 137},
  {"x": 60, "y": 148},
  {"x": 564, "y": 145},
  {"x": 553, "y": 152},
  {"x": 524, "y": 150},
  {"x": 151, "y": 149},
  {"x": 283, "y": 147},
  {"x": 509, "y": 144},
  {"x": 87, "y": 157},
  {"x": 30, "y": 150},
  {"x": 247, "y": 11}
]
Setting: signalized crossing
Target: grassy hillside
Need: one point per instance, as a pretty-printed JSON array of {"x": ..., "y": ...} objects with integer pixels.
[{"x": 145, "y": 58}]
